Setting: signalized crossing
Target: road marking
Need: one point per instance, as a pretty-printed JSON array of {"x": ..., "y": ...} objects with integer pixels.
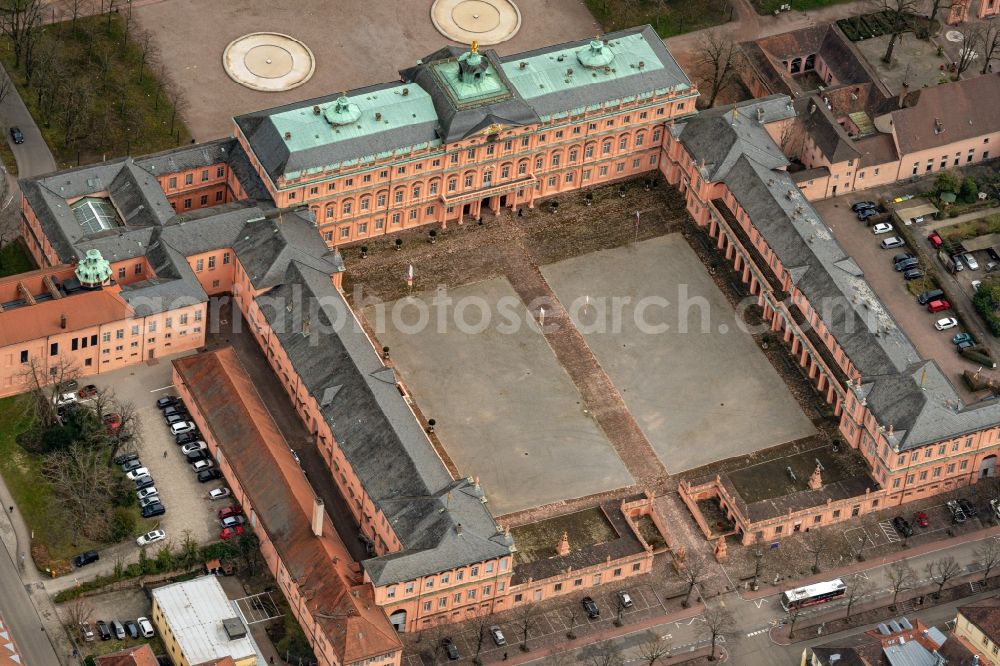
[
  {"x": 759, "y": 603},
  {"x": 164, "y": 388},
  {"x": 758, "y": 632}
]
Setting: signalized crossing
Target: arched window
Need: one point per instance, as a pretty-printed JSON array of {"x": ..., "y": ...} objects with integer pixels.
[
  {"x": 366, "y": 203},
  {"x": 574, "y": 153},
  {"x": 329, "y": 212},
  {"x": 588, "y": 152},
  {"x": 416, "y": 191},
  {"x": 522, "y": 167},
  {"x": 556, "y": 159},
  {"x": 432, "y": 189},
  {"x": 381, "y": 198},
  {"x": 347, "y": 207},
  {"x": 452, "y": 184},
  {"x": 640, "y": 138},
  {"x": 398, "y": 195},
  {"x": 623, "y": 142},
  {"x": 606, "y": 148},
  {"x": 796, "y": 65}
]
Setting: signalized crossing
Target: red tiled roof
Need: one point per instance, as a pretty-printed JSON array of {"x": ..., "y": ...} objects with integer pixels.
[
  {"x": 82, "y": 310},
  {"x": 965, "y": 109},
  {"x": 141, "y": 655},
  {"x": 234, "y": 413},
  {"x": 985, "y": 615}
]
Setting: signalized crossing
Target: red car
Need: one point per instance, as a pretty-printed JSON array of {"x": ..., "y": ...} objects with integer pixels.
[
  {"x": 230, "y": 511},
  {"x": 88, "y": 391},
  {"x": 113, "y": 422},
  {"x": 935, "y": 240},
  {"x": 921, "y": 519},
  {"x": 230, "y": 532}
]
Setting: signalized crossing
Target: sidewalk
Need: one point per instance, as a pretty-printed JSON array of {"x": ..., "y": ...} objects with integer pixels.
[{"x": 876, "y": 563}]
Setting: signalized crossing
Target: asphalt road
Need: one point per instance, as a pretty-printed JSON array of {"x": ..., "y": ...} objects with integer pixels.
[
  {"x": 33, "y": 156},
  {"x": 21, "y": 618}
]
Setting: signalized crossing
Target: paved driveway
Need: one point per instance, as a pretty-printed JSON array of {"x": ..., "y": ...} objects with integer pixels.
[
  {"x": 914, "y": 320},
  {"x": 188, "y": 507}
]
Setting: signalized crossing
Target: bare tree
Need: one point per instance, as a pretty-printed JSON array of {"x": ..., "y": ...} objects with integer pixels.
[
  {"x": 972, "y": 44},
  {"x": 859, "y": 588},
  {"x": 78, "y": 612},
  {"x": 816, "y": 542},
  {"x": 901, "y": 577},
  {"x": 83, "y": 487},
  {"x": 605, "y": 653},
  {"x": 481, "y": 624},
  {"x": 792, "y": 139},
  {"x": 148, "y": 52},
  {"x": 715, "y": 63},
  {"x": 45, "y": 387},
  {"x": 20, "y": 21},
  {"x": 653, "y": 648},
  {"x": 988, "y": 554},
  {"x": 791, "y": 617},
  {"x": 717, "y": 619},
  {"x": 990, "y": 46},
  {"x": 572, "y": 616},
  {"x": 695, "y": 569},
  {"x": 937, "y": 6},
  {"x": 897, "y": 12},
  {"x": 127, "y": 433},
  {"x": 943, "y": 570},
  {"x": 758, "y": 554},
  {"x": 526, "y": 618}
]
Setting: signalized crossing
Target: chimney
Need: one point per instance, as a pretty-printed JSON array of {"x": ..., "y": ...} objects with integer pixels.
[
  {"x": 317, "y": 519},
  {"x": 562, "y": 548},
  {"x": 62, "y": 321},
  {"x": 458, "y": 528},
  {"x": 760, "y": 114},
  {"x": 378, "y": 116}
]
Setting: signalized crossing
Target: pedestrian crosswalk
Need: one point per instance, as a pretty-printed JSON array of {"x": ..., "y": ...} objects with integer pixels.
[{"x": 758, "y": 632}]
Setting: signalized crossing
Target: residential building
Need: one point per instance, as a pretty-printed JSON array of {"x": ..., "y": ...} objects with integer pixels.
[
  {"x": 977, "y": 626},
  {"x": 898, "y": 642},
  {"x": 140, "y": 655},
  {"x": 199, "y": 624}
]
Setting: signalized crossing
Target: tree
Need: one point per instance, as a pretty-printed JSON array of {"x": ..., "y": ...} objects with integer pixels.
[
  {"x": 44, "y": 387},
  {"x": 859, "y": 588},
  {"x": 715, "y": 63},
  {"x": 758, "y": 554},
  {"x": 947, "y": 181},
  {"x": 481, "y": 624},
  {"x": 816, "y": 542},
  {"x": 970, "y": 190},
  {"x": 605, "y": 653},
  {"x": 653, "y": 648},
  {"x": 20, "y": 21},
  {"x": 901, "y": 577},
  {"x": 695, "y": 569},
  {"x": 572, "y": 616},
  {"x": 84, "y": 489},
  {"x": 717, "y": 618},
  {"x": 188, "y": 554},
  {"x": 897, "y": 12},
  {"x": 990, "y": 46},
  {"x": 78, "y": 612},
  {"x": 249, "y": 548},
  {"x": 988, "y": 554},
  {"x": 526, "y": 618},
  {"x": 791, "y": 617},
  {"x": 942, "y": 571},
  {"x": 792, "y": 139},
  {"x": 937, "y": 6}
]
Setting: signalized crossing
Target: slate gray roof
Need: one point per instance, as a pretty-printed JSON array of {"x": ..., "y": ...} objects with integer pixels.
[
  {"x": 266, "y": 247},
  {"x": 824, "y": 130},
  {"x": 902, "y": 390},
  {"x": 442, "y": 523}
]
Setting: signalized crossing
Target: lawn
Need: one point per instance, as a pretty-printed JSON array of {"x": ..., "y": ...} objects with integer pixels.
[
  {"x": 14, "y": 259},
  {"x": 668, "y": 17},
  {"x": 93, "y": 92},
  {"x": 769, "y": 6}
]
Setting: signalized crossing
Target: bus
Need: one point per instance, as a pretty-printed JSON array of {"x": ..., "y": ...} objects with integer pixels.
[{"x": 810, "y": 595}]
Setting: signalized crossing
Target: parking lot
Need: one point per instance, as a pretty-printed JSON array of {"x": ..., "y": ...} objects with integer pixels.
[
  {"x": 185, "y": 500},
  {"x": 915, "y": 321}
]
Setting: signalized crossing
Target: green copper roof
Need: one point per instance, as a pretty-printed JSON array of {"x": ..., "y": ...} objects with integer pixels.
[
  {"x": 576, "y": 67},
  {"x": 94, "y": 269},
  {"x": 354, "y": 117},
  {"x": 466, "y": 89}
]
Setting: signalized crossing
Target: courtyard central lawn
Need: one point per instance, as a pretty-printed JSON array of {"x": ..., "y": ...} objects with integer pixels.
[
  {"x": 14, "y": 259},
  {"x": 668, "y": 17},
  {"x": 769, "y": 6},
  {"x": 93, "y": 94}
]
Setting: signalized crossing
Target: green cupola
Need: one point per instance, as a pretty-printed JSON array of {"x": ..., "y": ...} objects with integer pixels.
[
  {"x": 94, "y": 271},
  {"x": 596, "y": 55}
]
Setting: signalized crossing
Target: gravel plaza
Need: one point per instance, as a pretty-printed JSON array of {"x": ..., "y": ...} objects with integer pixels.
[{"x": 699, "y": 387}]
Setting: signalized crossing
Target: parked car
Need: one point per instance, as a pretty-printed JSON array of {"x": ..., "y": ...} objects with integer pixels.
[
  {"x": 919, "y": 219},
  {"x": 497, "y": 635},
  {"x": 935, "y": 240},
  {"x": 191, "y": 447},
  {"x": 132, "y": 628},
  {"x": 146, "y": 492},
  {"x": 902, "y": 526},
  {"x": 939, "y": 305},
  {"x": 206, "y": 475},
  {"x": 234, "y": 510},
  {"x": 167, "y": 401},
  {"x": 150, "y": 499},
  {"x": 233, "y": 521},
  {"x": 186, "y": 438},
  {"x": 182, "y": 427},
  {"x": 175, "y": 418},
  {"x": 964, "y": 345},
  {"x": 123, "y": 458},
  {"x": 907, "y": 265},
  {"x": 64, "y": 399},
  {"x": 928, "y": 296},
  {"x": 17, "y": 135},
  {"x": 88, "y": 391},
  {"x": 913, "y": 274},
  {"x": 968, "y": 507},
  {"x": 202, "y": 464},
  {"x": 921, "y": 519},
  {"x": 131, "y": 464},
  {"x": 902, "y": 256},
  {"x": 945, "y": 323},
  {"x": 957, "y": 514},
  {"x": 970, "y": 261},
  {"x": 104, "y": 630},
  {"x": 196, "y": 455},
  {"x": 624, "y": 599},
  {"x": 959, "y": 338},
  {"x": 151, "y": 537},
  {"x": 893, "y": 242},
  {"x": 83, "y": 559},
  {"x": 592, "y": 610},
  {"x": 118, "y": 629},
  {"x": 145, "y": 627},
  {"x": 86, "y": 633},
  {"x": 864, "y": 215},
  {"x": 218, "y": 493},
  {"x": 450, "y": 649},
  {"x": 176, "y": 408},
  {"x": 957, "y": 263},
  {"x": 153, "y": 510},
  {"x": 881, "y": 228},
  {"x": 145, "y": 481},
  {"x": 113, "y": 422},
  {"x": 134, "y": 474},
  {"x": 230, "y": 532},
  {"x": 862, "y": 205}
]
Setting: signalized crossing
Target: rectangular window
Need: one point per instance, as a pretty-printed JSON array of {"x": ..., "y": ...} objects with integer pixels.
[
  {"x": 121, "y": 272},
  {"x": 427, "y": 606},
  {"x": 54, "y": 349},
  {"x": 409, "y": 588},
  {"x": 189, "y": 179},
  {"x": 211, "y": 262},
  {"x": 363, "y": 228},
  {"x": 390, "y": 592},
  {"x": 345, "y": 232},
  {"x": 24, "y": 356},
  {"x": 199, "y": 265},
  {"x": 172, "y": 183}
]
